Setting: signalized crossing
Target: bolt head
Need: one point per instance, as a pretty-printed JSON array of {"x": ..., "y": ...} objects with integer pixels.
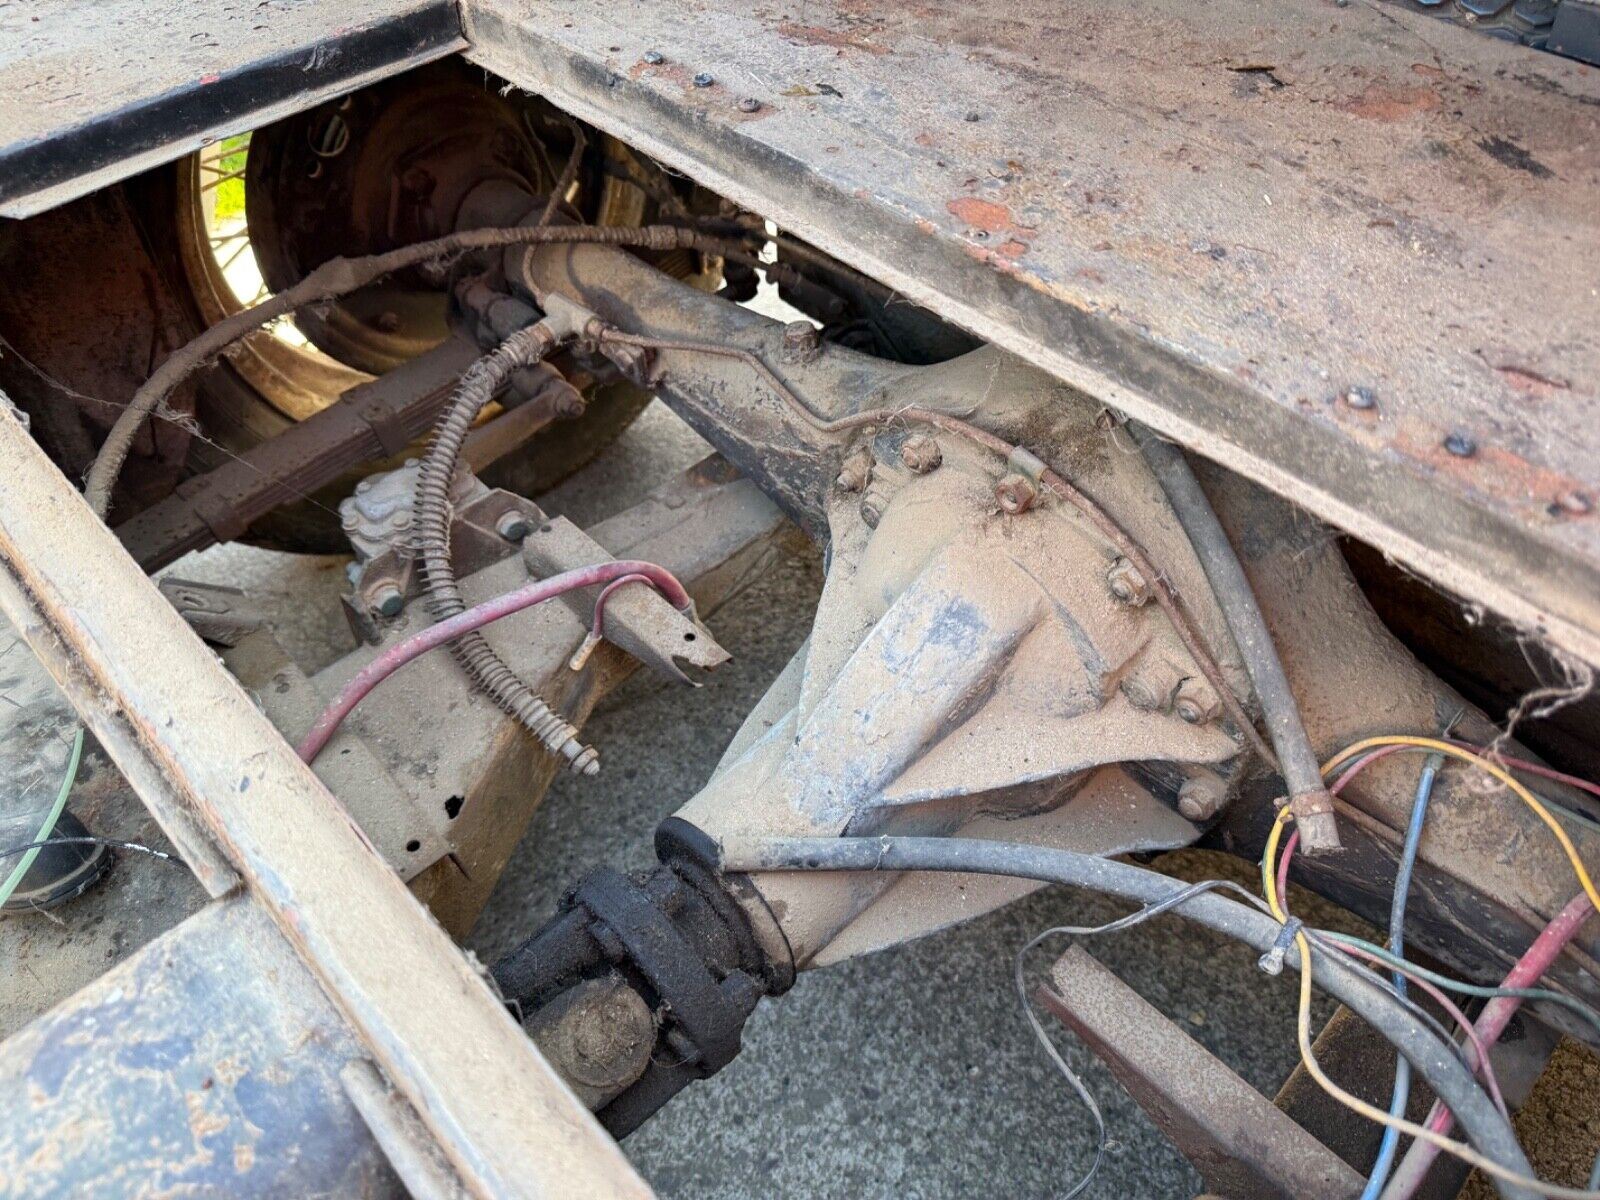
[
  {"x": 1127, "y": 584},
  {"x": 749, "y": 105},
  {"x": 802, "y": 342},
  {"x": 1362, "y": 398},
  {"x": 1460, "y": 444},
  {"x": 1015, "y": 493},
  {"x": 1196, "y": 703},
  {"x": 921, "y": 454},
  {"x": 513, "y": 526},
  {"x": 387, "y": 322},
  {"x": 872, "y": 506},
  {"x": 1200, "y": 798},
  {"x": 654, "y": 57},
  {"x": 386, "y": 600},
  {"x": 703, "y": 80}
]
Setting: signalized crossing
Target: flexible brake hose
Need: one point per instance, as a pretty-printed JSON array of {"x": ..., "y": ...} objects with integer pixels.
[
  {"x": 1308, "y": 795},
  {"x": 478, "y": 385},
  {"x": 1434, "y": 1060}
]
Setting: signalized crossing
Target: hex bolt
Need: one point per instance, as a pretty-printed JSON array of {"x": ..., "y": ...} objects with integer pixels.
[
  {"x": 1196, "y": 703},
  {"x": 856, "y": 472},
  {"x": 386, "y": 599},
  {"x": 387, "y": 321},
  {"x": 872, "y": 506},
  {"x": 703, "y": 80},
  {"x": 1460, "y": 444},
  {"x": 513, "y": 526},
  {"x": 1128, "y": 586},
  {"x": 1150, "y": 688},
  {"x": 801, "y": 341},
  {"x": 654, "y": 57},
  {"x": 1015, "y": 493},
  {"x": 749, "y": 105},
  {"x": 921, "y": 454},
  {"x": 1362, "y": 398},
  {"x": 1200, "y": 798}
]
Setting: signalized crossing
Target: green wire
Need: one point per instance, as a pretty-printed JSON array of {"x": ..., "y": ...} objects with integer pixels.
[
  {"x": 1455, "y": 985},
  {"x": 16, "y": 876}
]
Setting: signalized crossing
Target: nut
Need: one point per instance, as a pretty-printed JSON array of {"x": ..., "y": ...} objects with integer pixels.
[
  {"x": 385, "y": 599},
  {"x": 1015, "y": 493},
  {"x": 801, "y": 342},
  {"x": 513, "y": 526},
  {"x": 1128, "y": 585},
  {"x": 1201, "y": 797},
  {"x": 920, "y": 453},
  {"x": 1196, "y": 703}
]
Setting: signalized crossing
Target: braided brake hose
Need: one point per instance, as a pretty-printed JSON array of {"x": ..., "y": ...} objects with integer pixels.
[{"x": 481, "y": 381}]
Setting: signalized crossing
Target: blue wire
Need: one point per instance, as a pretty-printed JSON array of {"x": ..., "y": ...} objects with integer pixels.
[{"x": 1401, "y": 1095}]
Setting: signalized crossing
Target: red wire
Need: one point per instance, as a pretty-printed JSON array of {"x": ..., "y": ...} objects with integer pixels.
[{"x": 537, "y": 592}]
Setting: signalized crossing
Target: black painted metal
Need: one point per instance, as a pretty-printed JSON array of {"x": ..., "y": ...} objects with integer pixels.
[{"x": 229, "y": 99}]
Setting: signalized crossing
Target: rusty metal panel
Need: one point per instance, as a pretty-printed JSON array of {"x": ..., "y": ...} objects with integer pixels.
[
  {"x": 98, "y": 90},
  {"x": 206, "y": 1065},
  {"x": 1347, "y": 252}
]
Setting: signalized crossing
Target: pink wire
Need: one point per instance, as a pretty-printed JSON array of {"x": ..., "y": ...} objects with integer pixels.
[
  {"x": 1480, "y": 1056},
  {"x": 1485, "y": 1067},
  {"x": 1492, "y": 1022},
  {"x": 402, "y": 652},
  {"x": 1496, "y": 1014}
]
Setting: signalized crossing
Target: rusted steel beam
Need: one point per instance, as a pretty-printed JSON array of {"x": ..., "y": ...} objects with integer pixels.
[
  {"x": 1244, "y": 1147},
  {"x": 503, "y": 1118}
]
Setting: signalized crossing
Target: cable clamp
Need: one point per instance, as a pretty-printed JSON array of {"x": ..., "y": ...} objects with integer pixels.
[{"x": 1272, "y": 961}]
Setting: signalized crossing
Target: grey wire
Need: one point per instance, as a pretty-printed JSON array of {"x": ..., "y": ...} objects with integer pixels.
[
  {"x": 1435, "y": 1060},
  {"x": 1067, "y": 1072}
]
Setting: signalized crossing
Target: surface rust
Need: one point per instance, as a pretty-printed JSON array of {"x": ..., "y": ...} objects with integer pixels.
[{"x": 1218, "y": 223}]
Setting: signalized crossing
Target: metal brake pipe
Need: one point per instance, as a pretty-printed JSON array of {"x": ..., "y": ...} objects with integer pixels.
[
  {"x": 1302, "y": 773},
  {"x": 526, "y": 596},
  {"x": 1434, "y": 1060}
]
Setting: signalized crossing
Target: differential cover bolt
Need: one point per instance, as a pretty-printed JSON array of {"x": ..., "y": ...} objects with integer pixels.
[
  {"x": 1127, "y": 585},
  {"x": 1196, "y": 703},
  {"x": 703, "y": 80},
  {"x": 1015, "y": 493},
  {"x": 920, "y": 453}
]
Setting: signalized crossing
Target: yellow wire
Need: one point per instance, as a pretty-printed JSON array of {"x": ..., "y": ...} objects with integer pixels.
[
  {"x": 1517, "y": 789},
  {"x": 1303, "y": 1021}
]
